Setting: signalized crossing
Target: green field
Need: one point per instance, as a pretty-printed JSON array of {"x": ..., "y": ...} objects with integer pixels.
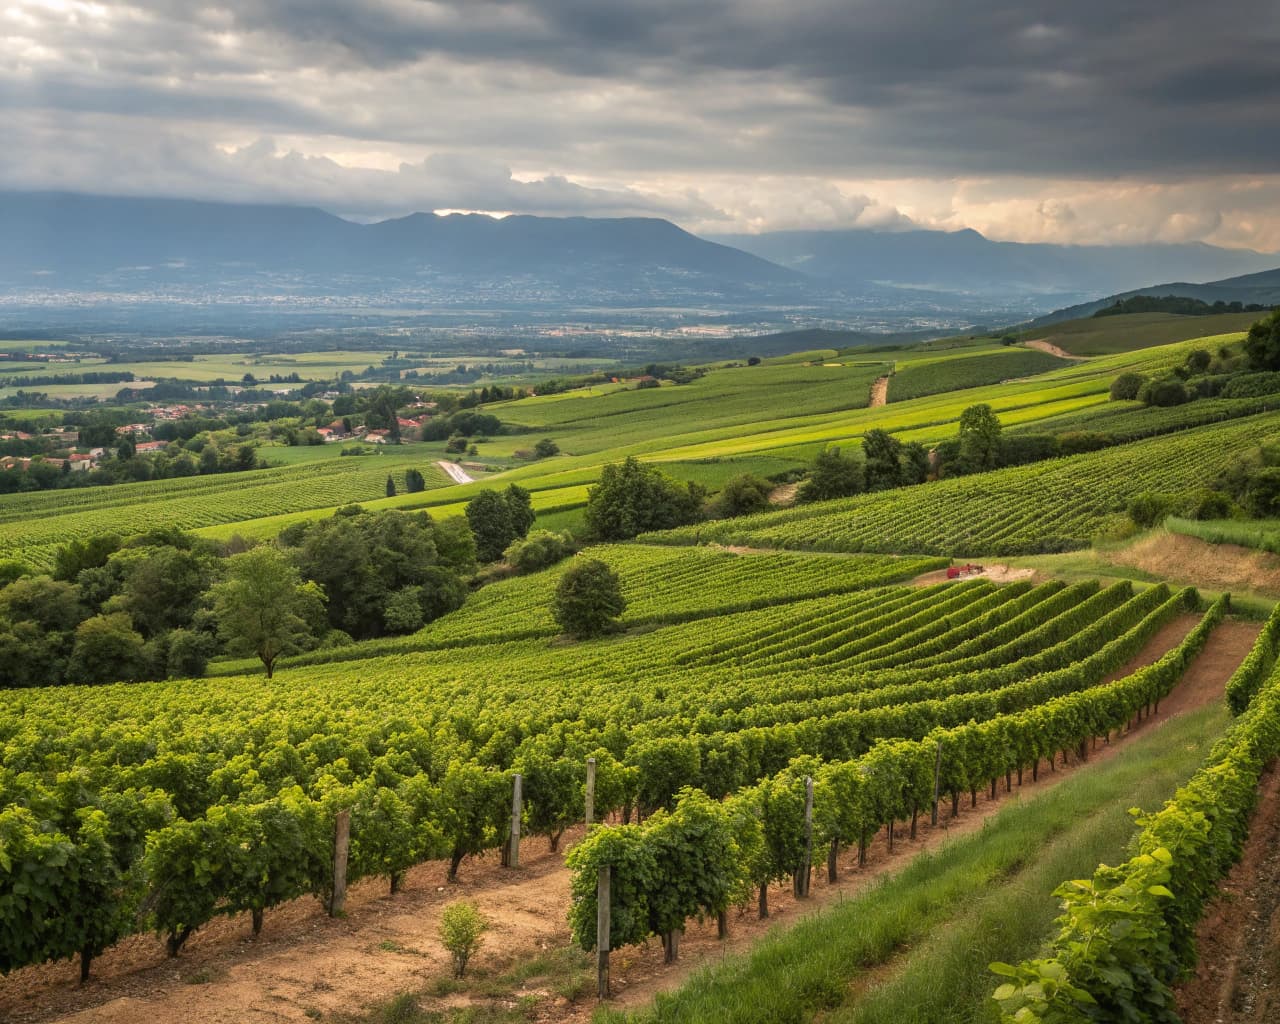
[
  {"x": 1129, "y": 331},
  {"x": 755, "y": 658}
]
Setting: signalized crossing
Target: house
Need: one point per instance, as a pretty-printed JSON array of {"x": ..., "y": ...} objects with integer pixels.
[{"x": 150, "y": 446}]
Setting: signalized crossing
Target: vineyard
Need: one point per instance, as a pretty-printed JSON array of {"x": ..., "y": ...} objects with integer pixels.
[
  {"x": 1059, "y": 505},
  {"x": 33, "y": 525},
  {"x": 168, "y": 805},
  {"x": 935, "y": 376}
]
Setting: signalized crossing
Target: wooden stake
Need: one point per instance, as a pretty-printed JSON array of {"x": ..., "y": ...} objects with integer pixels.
[
  {"x": 514, "y": 859},
  {"x": 591, "y": 790},
  {"x": 602, "y": 932},
  {"x": 937, "y": 777},
  {"x": 341, "y": 844}
]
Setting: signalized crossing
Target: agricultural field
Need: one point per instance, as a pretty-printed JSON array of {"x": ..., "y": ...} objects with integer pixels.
[
  {"x": 1058, "y": 505},
  {"x": 33, "y": 525},
  {"x": 799, "y": 686},
  {"x": 1129, "y": 331}
]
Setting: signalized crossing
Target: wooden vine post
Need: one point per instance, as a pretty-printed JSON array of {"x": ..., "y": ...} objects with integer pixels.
[
  {"x": 591, "y": 790},
  {"x": 341, "y": 845},
  {"x": 602, "y": 932},
  {"x": 806, "y": 870},
  {"x": 937, "y": 778},
  {"x": 513, "y": 859}
]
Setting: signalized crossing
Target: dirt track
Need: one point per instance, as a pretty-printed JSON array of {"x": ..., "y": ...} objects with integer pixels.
[
  {"x": 879, "y": 393},
  {"x": 1053, "y": 350},
  {"x": 306, "y": 964}
]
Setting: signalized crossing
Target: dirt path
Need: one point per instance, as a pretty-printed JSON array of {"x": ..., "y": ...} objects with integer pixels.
[
  {"x": 456, "y": 473},
  {"x": 306, "y": 966},
  {"x": 995, "y": 573},
  {"x": 879, "y": 393},
  {"x": 1054, "y": 350},
  {"x": 1237, "y": 979},
  {"x": 784, "y": 495}
]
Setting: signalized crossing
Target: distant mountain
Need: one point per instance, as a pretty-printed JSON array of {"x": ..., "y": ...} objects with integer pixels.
[
  {"x": 59, "y": 242},
  {"x": 1261, "y": 289},
  {"x": 968, "y": 263}
]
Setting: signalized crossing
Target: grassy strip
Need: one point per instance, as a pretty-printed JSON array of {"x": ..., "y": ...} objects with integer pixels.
[
  {"x": 1263, "y": 534},
  {"x": 1011, "y": 867}
]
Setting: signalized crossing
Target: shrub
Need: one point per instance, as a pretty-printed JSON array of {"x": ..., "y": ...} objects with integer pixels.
[
  {"x": 1209, "y": 504},
  {"x": 1126, "y": 386},
  {"x": 1163, "y": 393},
  {"x": 539, "y": 550},
  {"x": 1149, "y": 508},
  {"x": 462, "y": 927},
  {"x": 545, "y": 448},
  {"x": 740, "y": 496},
  {"x": 588, "y": 600},
  {"x": 833, "y": 476}
]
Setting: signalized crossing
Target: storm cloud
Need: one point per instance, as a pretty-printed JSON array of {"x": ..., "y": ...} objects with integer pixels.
[{"x": 1090, "y": 121}]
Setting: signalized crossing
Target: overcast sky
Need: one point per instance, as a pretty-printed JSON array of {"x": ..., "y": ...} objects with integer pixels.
[{"x": 1071, "y": 120}]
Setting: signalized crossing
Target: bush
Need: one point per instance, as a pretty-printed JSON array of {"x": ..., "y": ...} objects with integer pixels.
[
  {"x": 741, "y": 496},
  {"x": 545, "y": 448},
  {"x": 1251, "y": 385},
  {"x": 588, "y": 600},
  {"x": 1163, "y": 393},
  {"x": 632, "y": 498},
  {"x": 833, "y": 476},
  {"x": 1126, "y": 386},
  {"x": 1209, "y": 504},
  {"x": 540, "y": 550},
  {"x": 1077, "y": 442},
  {"x": 1148, "y": 509},
  {"x": 462, "y": 927}
]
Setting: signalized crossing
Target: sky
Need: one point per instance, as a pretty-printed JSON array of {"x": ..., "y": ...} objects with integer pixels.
[{"x": 1090, "y": 121}]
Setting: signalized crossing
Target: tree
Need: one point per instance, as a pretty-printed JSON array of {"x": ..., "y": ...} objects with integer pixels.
[
  {"x": 588, "y": 600},
  {"x": 632, "y": 498},
  {"x": 1125, "y": 388},
  {"x": 414, "y": 482},
  {"x": 546, "y": 448},
  {"x": 489, "y": 515},
  {"x": 261, "y": 607},
  {"x": 833, "y": 476},
  {"x": 741, "y": 495},
  {"x": 883, "y": 454},
  {"x": 1164, "y": 392},
  {"x": 106, "y": 649},
  {"x": 540, "y": 549},
  {"x": 520, "y": 503},
  {"x": 391, "y": 486},
  {"x": 979, "y": 438},
  {"x": 1262, "y": 345}
]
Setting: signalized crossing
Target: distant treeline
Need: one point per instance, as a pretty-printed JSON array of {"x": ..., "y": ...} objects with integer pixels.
[
  {"x": 1178, "y": 304},
  {"x": 100, "y": 377}
]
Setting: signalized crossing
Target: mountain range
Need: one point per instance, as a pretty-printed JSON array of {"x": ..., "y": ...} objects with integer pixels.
[{"x": 66, "y": 248}]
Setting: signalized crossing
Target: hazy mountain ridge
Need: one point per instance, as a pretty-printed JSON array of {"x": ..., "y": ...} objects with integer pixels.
[
  {"x": 1262, "y": 288},
  {"x": 93, "y": 243},
  {"x": 967, "y": 262}
]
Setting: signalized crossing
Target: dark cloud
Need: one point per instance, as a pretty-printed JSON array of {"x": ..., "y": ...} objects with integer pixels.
[{"x": 593, "y": 99}]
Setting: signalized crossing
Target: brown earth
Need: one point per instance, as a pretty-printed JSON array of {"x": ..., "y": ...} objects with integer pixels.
[
  {"x": 1237, "y": 979},
  {"x": 784, "y": 495},
  {"x": 879, "y": 392},
  {"x": 307, "y": 966},
  {"x": 1052, "y": 349},
  {"x": 1173, "y": 556},
  {"x": 995, "y": 573}
]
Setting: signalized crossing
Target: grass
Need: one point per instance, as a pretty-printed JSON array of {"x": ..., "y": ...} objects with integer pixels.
[
  {"x": 1263, "y": 534},
  {"x": 1110, "y": 334},
  {"x": 941, "y": 920}
]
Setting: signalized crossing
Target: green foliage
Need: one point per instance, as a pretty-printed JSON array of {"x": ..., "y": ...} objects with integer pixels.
[
  {"x": 833, "y": 476},
  {"x": 497, "y": 519},
  {"x": 588, "y": 600},
  {"x": 741, "y": 495},
  {"x": 262, "y": 606},
  {"x": 632, "y": 498},
  {"x": 1262, "y": 344},
  {"x": 414, "y": 482},
  {"x": 1126, "y": 387},
  {"x": 546, "y": 448},
  {"x": 1164, "y": 391},
  {"x": 1149, "y": 508},
  {"x": 540, "y": 550},
  {"x": 979, "y": 438},
  {"x": 106, "y": 649},
  {"x": 461, "y": 929}
]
